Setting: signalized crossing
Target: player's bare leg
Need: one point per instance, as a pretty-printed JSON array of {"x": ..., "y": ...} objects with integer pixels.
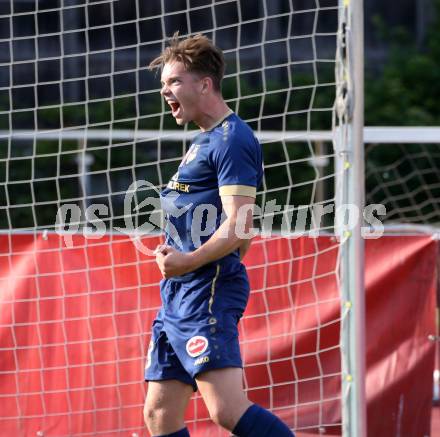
[
  {"x": 224, "y": 396},
  {"x": 229, "y": 407},
  {"x": 165, "y": 406}
]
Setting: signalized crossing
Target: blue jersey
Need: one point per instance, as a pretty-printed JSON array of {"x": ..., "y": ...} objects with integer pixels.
[
  {"x": 226, "y": 160},
  {"x": 196, "y": 328}
]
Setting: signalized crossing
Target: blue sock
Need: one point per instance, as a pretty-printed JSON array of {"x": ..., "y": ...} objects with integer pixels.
[
  {"x": 258, "y": 422},
  {"x": 182, "y": 433}
]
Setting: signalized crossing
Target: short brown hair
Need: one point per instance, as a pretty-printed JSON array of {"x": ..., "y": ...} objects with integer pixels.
[{"x": 197, "y": 53}]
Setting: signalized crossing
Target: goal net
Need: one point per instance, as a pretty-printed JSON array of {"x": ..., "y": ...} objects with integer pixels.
[
  {"x": 82, "y": 129},
  {"x": 406, "y": 180}
]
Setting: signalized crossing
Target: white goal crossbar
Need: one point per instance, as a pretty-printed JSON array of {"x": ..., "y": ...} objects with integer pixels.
[{"x": 372, "y": 134}]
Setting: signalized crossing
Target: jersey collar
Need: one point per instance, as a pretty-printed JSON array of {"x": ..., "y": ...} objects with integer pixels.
[{"x": 216, "y": 123}]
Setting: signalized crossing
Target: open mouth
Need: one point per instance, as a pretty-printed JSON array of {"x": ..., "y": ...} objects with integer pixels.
[{"x": 175, "y": 106}]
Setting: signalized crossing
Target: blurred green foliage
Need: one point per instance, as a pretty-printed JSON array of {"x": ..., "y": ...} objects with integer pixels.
[{"x": 405, "y": 91}]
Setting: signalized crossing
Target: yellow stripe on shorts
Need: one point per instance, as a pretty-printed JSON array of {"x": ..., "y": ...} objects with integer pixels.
[{"x": 211, "y": 299}]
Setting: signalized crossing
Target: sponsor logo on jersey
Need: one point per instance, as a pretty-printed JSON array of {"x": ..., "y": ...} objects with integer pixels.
[
  {"x": 196, "y": 345},
  {"x": 178, "y": 186},
  {"x": 201, "y": 360}
]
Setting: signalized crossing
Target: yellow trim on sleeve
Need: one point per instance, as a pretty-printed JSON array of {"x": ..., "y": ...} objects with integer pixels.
[{"x": 238, "y": 190}]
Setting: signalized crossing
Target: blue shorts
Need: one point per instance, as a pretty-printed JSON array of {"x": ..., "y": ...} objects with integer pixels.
[{"x": 196, "y": 328}]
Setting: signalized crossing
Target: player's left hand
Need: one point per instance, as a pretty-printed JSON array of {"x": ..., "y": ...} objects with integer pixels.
[{"x": 171, "y": 262}]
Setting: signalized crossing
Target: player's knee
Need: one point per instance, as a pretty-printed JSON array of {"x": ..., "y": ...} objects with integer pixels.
[
  {"x": 154, "y": 416},
  {"x": 157, "y": 416},
  {"x": 223, "y": 416},
  {"x": 148, "y": 415}
]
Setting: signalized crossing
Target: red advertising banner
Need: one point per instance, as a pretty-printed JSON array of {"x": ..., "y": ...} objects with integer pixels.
[{"x": 75, "y": 322}]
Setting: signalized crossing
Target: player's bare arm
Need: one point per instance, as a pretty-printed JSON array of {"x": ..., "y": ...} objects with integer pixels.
[
  {"x": 245, "y": 245},
  {"x": 234, "y": 233}
]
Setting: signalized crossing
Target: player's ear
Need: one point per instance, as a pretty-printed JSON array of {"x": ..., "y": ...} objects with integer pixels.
[{"x": 206, "y": 84}]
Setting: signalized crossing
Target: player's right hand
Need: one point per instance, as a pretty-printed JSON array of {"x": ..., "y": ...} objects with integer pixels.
[
  {"x": 161, "y": 248},
  {"x": 172, "y": 262}
]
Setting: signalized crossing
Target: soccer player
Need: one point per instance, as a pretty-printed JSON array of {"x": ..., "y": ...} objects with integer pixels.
[{"x": 205, "y": 289}]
